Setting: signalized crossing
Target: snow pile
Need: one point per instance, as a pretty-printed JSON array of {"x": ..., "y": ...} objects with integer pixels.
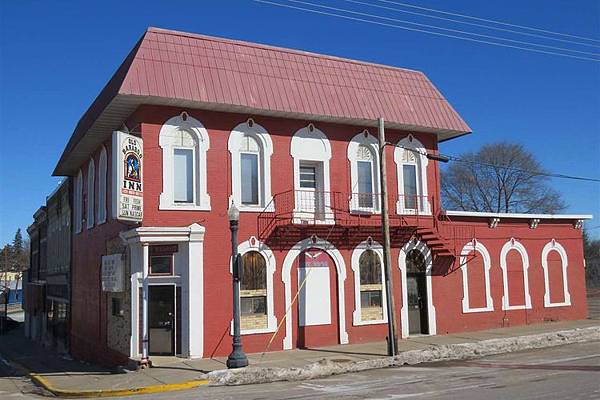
[{"x": 462, "y": 351}]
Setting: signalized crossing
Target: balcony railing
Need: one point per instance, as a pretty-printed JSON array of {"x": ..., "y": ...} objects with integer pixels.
[{"x": 314, "y": 207}]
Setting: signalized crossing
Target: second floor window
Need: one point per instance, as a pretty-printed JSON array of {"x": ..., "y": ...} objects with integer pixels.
[
  {"x": 249, "y": 169},
  {"x": 411, "y": 162},
  {"x": 184, "y": 142},
  {"x": 250, "y": 147},
  {"x": 365, "y": 169}
]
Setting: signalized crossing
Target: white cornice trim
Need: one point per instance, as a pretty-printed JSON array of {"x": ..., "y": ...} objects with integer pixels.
[{"x": 518, "y": 215}]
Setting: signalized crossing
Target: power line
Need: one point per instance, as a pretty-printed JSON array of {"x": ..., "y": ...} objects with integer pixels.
[
  {"x": 505, "y": 167},
  {"x": 488, "y": 20},
  {"x": 424, "y": 31},
  {"x": 441, "y": 28},
  {"x": 467, "y": 23}
]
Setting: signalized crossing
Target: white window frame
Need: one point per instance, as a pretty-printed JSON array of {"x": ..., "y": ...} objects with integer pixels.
[
  {"x": 419, "y": 150},
  {"x": 310, "y": 144},
  {"x": 167, "y": 144},
  {"x": 263, "y": 139},
  {"x": 369, "y": 141},
  {"x": 513, "y": 244},
  {"x": 356, "y": 253},
  {"x": 91, "y": 194},
  {"x": 472, "y": 247},
  {"x": 553, "y": 245},
  {"x": 102, "y": 187},
  {"x": 254, "y": 244},
  {"x": 78, "y": 202}
]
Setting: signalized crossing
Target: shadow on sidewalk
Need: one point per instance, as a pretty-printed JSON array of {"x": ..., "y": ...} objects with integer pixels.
[{"x": 15, "y": 347}]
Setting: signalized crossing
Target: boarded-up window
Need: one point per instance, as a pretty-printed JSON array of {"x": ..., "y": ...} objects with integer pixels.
[
  {"x": 371, "y": 293},
  {"x": 253, "y": 291}
]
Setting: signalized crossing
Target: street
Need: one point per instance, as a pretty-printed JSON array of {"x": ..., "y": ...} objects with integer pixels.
[{"x": 565, "y": 372}]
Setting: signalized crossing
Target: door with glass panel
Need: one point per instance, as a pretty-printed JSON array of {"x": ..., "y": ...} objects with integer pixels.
[
  {"x": 161, "y": 319},
  {"x": 416, "y": 291},
  {"x": 310, "y": 198}
]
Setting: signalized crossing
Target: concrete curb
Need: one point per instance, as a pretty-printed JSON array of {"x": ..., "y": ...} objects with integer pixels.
[
  {"x": 170, "y": 387},
  {"x": 324, "y": 368}
]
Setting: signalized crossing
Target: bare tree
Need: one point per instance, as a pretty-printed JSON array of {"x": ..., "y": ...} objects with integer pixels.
[{"x": 500, "y": 177}]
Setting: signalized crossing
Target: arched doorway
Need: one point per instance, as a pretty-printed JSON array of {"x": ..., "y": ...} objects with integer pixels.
[
  {"x": 315, "y": 314},
  {"x": 289, "y": 275},
  {"x": 418, "y": 314}
]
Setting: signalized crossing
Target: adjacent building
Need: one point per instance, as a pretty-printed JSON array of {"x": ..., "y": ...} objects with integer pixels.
[
  {"x": 190, "y": 124},
  {"x": 47, "y": 287}
]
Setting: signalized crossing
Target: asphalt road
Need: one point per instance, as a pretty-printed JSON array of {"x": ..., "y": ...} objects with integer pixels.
[{"x": 566, "y": 372}]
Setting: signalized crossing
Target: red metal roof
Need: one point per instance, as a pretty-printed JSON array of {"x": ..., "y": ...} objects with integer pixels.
[{"x": 169, "y": 67}]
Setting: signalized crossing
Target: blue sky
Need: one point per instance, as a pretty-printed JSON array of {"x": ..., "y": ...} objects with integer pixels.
[{"x": 56, "y": 56}]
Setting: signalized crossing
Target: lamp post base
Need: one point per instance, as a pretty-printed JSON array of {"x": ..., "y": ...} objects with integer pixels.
[{"x": 237, "y": 359}]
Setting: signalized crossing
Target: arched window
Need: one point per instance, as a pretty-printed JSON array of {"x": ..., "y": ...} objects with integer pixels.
[
  {"x": 411, "y": 162},
  {"x": 91, "y": 174},
  {"x": 184, "y": 142},
  {"x": 556, "y": 282},
  {"x": 371, "y": 289},
  {"x": 362, "y": 154},
  {"x": 102, "y": 170},
  {"x": 253, "y": 291},
  {"x": 251, "y": 148},
  {"x": 475, "y": 264},
  {"x": 78, "y": 202},
  {"x": 515, "y": 265}
]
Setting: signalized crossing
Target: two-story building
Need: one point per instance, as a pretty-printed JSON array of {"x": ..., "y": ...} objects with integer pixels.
[{"x": 189, "y": 124}]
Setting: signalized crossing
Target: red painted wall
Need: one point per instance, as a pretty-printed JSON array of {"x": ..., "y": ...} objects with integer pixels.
[{"x": 89, "y": 307}]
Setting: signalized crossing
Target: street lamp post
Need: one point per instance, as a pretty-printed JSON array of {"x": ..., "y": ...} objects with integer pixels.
[{"x": 237, "y": 358}]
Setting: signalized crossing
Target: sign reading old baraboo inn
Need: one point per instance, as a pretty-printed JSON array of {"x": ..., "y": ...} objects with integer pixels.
[{"x": 127, "y": 176}]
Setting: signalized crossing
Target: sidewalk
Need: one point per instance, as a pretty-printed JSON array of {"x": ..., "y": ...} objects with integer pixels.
[{"x": 72, "y": 378}]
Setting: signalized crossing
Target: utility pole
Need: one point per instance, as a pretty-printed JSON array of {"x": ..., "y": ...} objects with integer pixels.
[{"x": 387, "y": 258}]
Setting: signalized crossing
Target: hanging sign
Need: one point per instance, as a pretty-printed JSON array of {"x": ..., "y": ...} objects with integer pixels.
[
  {"x": 128, "y": 199},
  {"x": 112, "y": 273}
]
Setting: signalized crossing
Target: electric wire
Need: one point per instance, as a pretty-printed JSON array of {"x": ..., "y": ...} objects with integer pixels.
[
  {"x": 425, "y": 31},
  {"x": 505, "y": 167},
  {"x": 496, "y": 28},
  {"x": 488, "y": 20}
]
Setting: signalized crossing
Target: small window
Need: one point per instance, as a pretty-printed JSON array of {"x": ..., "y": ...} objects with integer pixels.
[
  {"x": 117, "y": 309},
  {"x": 308, "y": 177},
  {"x": 161, "y": 259},
  {"x": 370, "y": 298},
  {"x": 409, "y": 174},
  {"x": 184, "y": 175},
  {"x": 249, "y": 163}
]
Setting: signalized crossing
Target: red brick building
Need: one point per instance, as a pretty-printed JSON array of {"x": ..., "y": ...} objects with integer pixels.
[{"x": 189, "y": 124}]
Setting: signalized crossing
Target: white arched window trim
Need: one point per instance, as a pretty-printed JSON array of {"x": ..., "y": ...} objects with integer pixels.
[
  {"x": 262, "y": 137},
  {"x": 476, "y": 246},
  {"x": 423, "y": 205},
  {"x": 102, "y": 179},
  {"x": 513, "y": 244},
  {"x": 78, "y": 197},
  {"x": 286, "y": 277},
  {"x": 356, "y": 253},
  {"x": 553, "y": 245},
  {"x": 254, "y": 245},
  {"x": 167, "y": 143},
  {"x": 369, "y": 141},
  {"x": 91, "y": 194},
  {"x": 431, "y": 318},
  {"x": 310, "y": 144}
]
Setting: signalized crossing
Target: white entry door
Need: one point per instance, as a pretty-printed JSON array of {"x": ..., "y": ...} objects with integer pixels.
[{"x": 310, "y": 197}]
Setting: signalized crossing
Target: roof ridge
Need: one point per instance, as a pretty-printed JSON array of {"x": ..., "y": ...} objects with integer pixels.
[{"x": 278, "y": 48}]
